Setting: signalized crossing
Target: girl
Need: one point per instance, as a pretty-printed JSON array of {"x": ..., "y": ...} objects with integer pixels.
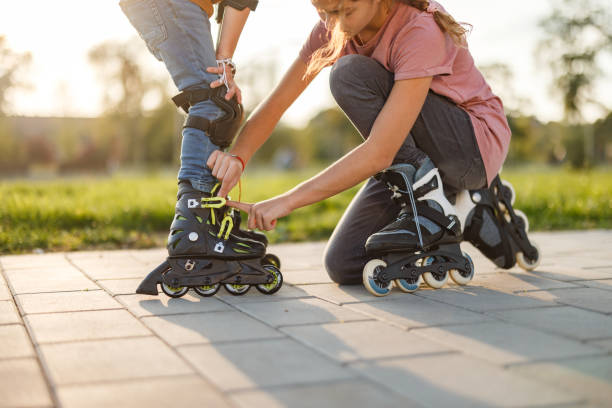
[{"x": 404, "y": 76}]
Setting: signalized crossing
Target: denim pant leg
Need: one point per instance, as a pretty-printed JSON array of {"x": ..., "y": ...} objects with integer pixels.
[
  {"x": 443, "y": 131},
  {"x": 177, "y": 32}
]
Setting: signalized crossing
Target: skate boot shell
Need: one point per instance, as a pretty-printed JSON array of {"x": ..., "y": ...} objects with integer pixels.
[
  {"x": 205, "y": 252},
  {"x": 423, "y": 242},
  {"x": 498, "y": 230}
]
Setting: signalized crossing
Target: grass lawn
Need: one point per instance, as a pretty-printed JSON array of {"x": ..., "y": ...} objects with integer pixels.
[{"x": 135, "y": 211}]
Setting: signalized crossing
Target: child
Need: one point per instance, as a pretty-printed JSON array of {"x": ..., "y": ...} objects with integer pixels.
[
  {"x": 204, "y": 234},
  {"x": 404, "y": 76}
]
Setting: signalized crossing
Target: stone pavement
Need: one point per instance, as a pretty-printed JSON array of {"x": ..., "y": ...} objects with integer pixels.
[{"x": 74, "y": 334}]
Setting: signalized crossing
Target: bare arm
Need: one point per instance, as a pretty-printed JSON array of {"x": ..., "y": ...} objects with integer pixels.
[
  {"x": 258, "y": 127},
  {"x": 393, "y": 123},
  {"x": 231, "y": 28}
]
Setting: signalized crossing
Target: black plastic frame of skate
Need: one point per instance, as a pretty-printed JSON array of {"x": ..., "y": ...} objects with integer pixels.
[{"x": 149, "y": 284}]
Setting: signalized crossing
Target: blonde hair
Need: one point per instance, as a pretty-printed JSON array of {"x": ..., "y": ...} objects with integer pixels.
[{"x": 328, "y": 54}]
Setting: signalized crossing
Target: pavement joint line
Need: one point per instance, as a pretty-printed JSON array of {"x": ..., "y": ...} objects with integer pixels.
[
  {"x": 597, "y": 267},
  {"x": 168, "y": 345},
  {"x": 125, "y": 379},
  {"x": 185, "y": 313},
  {"x": 42, "y": 366},
  {"x": 403, "y": 357},
  {"x": 366, "y": 319},
  {"x": 555, "y": 359},
  {"x": 57, "y": 291},
  {"x": 275, "y": 300},
  {"x": 90, "y": 340},
  {"x": 238, "y": 341},
  {"x": 74, "y": 311}
]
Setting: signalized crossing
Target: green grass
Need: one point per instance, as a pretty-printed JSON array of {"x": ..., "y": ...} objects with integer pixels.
[{"x": 135, "y": 211}]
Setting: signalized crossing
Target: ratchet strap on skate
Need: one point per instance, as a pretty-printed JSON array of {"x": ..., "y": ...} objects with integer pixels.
[
  {"x": 227, "y": 223},
  {"x": 450, "y": 224}
]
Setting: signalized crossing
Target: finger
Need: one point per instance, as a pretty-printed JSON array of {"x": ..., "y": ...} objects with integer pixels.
[
  {"x": 239, "y": 96},
  {"x": 228, "y": 183},
  {"x": 218, "y": 165},
  {"x": 221, "y": 173},
  {"x": 252, "y": 221},
  {"x": 260, "y": 221},
  {"x": 216, "y": 70},
  {"x": 216, "y": 84},
  {"x": 212, "y": 159},
  {"x": 246, "y": 207},
  {"x": 230, "y": 93}
]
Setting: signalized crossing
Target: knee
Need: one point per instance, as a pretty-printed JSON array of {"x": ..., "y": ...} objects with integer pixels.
[
  {"x": 337, "y": 269},
  {"x": 350, "y": 72}
]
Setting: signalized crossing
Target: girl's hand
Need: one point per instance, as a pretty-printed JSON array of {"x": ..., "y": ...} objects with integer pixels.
[
  {"x": 233, "y": 90},
  {"x": 263, "y": 215},
  {"x": 227, "y": 169}
]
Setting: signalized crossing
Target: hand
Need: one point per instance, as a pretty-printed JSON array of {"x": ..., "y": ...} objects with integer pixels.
[
  {"x": 227, "y": 169},
  {"x": 263, "y": 215},
  {"x": 233, "y": 87}
]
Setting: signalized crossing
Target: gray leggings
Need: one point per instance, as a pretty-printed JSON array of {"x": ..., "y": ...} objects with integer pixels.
[{"x": 443, "y": 132}]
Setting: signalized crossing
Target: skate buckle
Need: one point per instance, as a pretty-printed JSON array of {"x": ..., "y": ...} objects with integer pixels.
[
  {"x": 219, "y": 247},
  {"x": 213, "y": 202},
  {"x": 189, "y": 265},
  {"x": 193, "y": 203}
]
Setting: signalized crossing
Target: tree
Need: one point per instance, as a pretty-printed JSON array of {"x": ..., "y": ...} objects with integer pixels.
[
  {"x": 577, "y": 33},
  {"x": 10, "y": 64}
]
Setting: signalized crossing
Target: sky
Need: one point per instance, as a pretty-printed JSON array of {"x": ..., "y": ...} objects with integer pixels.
[{"x": 60, "y": 33}]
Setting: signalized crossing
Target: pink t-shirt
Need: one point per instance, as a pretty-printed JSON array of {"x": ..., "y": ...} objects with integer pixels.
[{"x": 411, "y": 45}]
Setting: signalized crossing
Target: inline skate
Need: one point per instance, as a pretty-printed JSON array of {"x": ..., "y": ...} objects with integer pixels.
[
  {"x": 423, "y": 242},
  {"x": 494, "y": 227},
  {"x": 206, "y": 250}
]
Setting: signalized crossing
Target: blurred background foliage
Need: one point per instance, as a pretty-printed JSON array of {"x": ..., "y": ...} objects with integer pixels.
[{"x": 131, "y": 151}]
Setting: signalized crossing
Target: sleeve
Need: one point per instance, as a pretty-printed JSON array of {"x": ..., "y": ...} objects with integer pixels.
[
  {"x": 422, "y": 50},
  {"x": 318, "y": 38},
  {"x": 240, "y": 4}
]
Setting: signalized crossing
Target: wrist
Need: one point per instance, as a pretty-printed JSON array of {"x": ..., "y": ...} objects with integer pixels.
[{"x": 242, "y": 162}]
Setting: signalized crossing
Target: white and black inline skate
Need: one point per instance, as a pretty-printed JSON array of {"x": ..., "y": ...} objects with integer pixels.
[
  {"x": 493, "y": 226},
  {"x": 207, "y": 249},
  {"x": 423, "y": 242}
]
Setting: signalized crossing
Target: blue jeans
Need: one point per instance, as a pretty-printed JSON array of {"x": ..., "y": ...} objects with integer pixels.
[{"x": 177, "y": 32}]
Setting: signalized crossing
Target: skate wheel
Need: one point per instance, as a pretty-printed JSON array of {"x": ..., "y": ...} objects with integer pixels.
[
  {"x": 237, "y": 290},
  {"x": 370, "y": 280},
  {"x": 207, "y": 290},
  {"x": 174, "y": 292},
  {"x": 508, "y": 191},
  {"x": 459, "y": 276},
  {"x": 407, "y": 286},
  {"x": 271, "y": 259},
  {"x": 274, "y": 286},
  {"x": 524, "y": 219},
  {"x": 528, "y": 264},
  {"x": 434, "y": 281}
]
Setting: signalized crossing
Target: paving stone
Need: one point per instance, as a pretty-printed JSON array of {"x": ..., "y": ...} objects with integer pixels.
[
  {"x": 120, "y": 286},
  {"x": 66, "y": 302},
  {"x": 203, "y": 328},
  {"x": 146, "y": 305},
  {"x": 481, "y": 299},
  {"x": 604, "y": 284},
  {"x": 235, "y": 366},
  {"x": 113, "y": 268},
  {"x": 341, "y": 295},
  {"x": 410, "y": 311},
  {"x": 286, "y": 292},
  {"x": 356, "y": 393},
  {"x": 5, "y": 293},
  {"x": 568, "y": 273},
  {"x": 150, "y": 256},
  {"x": 454, "y": 380},
  {"x": 362, "y": 340},
  {"x": 588, "y": 377},
  {"x": 588, "y": 298},
  {"x": 505, "y": 343},
  {"x": 23, "y": 384},
  {"x": 46, "y": 261},
  {"x": 111, "y": 360},
  {"x": 14, "y": 342},
  {"x": 605, "y": 344},
  {"x": 182, "y": 391},
  {"x": 299, "y": 311},
  {"x": 308, "y": 255},
  {"x": 74, "y": 326},
  {"x": 306, "y": 276},
  {"x": 8, "y": 313},
  {"x": 49, "y": 280},
  {"x": 513, "y": 282},
  {"x": 564, "y": 320}
]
